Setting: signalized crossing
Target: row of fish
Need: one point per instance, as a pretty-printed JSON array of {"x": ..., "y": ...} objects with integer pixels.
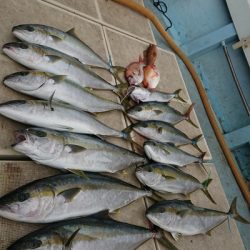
[{"x": 64, "y": 79}]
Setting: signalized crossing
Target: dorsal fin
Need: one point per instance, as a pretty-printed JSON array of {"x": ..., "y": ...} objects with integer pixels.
[{"x": 72, "y": 33}]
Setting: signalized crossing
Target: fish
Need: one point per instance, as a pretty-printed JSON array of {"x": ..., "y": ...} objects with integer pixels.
[
  {"x": 158, "y": 111},
  {"x": 151, "y": 54},
  {"x": 67, "y": 196},
  {"x": 56, "y": 116},
  {"x": 43, "y": 85},
  {"x": 151, "y": 77},
  {"x": 66, "y": 42},
  {"x": 46, "y": 59},
  {"x": 89, "y": 233},
  {"x": 167, "y": 153},
  {"x": 165, "y": 178},
  {"x": 139, "y": 94},
  {"x": 162, "y": 132},
  {"x": 69, "y": 151},
  {"x": 183, "y": 218},
  {"x": 134, "y": 72}
]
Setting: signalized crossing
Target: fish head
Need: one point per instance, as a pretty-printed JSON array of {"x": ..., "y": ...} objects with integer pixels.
[
  {"x": 29, "y": 33},
  {"x": 135, "y": 111},
  {"x": 38, "y": 144},
  {"x": 13, "y": 107},
  {"x": 134, "y": 73},
  {"x": 27, "y": 244},
  {"x": 151, "y": 148},
  {"x": 24, "y": 53},
  {"x": 27, "y": 202},
  {"x": 140, "y": 94},
  {"x": 147, "y": 175},
  {"x": 26, "y": 80}
]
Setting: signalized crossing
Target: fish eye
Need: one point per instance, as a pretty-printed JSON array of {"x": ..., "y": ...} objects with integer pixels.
[
  {"x": 38, "y": 133},
  {"x": 34, "y": 244},
  {"x": 161, "y": 210},
  {"x": 23, "y": 197},
  {"x": 29, "y": 28},
  {"x": 23, "y": 73},
  {"x": 23, "y": 46},
  {"x": 139, "y": 109}
]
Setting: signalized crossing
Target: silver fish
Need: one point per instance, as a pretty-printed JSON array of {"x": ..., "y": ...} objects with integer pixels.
[
  {"x": 66, "y": 196},
  {"x": 66, "y": 42},
  {"x": 55, "y": 62},
  {"x": 168, "y": 179},
  {"x": 158, "y": 111},
  {"x": 89, "y": 234},
  {"x": 55, "y": 116},
  {"x": 183, "y": 218},
  {"x": 74, "y": 151},
  {"x": 43, "y": 85},
  {"x": 139, "y": 94},
  {"x": 169, "y": 154},
  {"x": 162, "y": 132}
]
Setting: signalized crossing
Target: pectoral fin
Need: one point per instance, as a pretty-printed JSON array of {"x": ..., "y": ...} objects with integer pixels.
[
  {"x": 157, "y": 112},
  {"x": 71, "y": 148},
  {"x": 182, "y": 213},
  {"x": 53, "y": 58},
  {"x": 169, "y": 177},
  {"x": 58, "y": 78},
  {"x": 59, "y": 126},
  {"x": 68, "y": 243},
  {"x": 78, "y": 172},
  {"x": 70, "y": 194},
  {"x": 176, "y": 236}
]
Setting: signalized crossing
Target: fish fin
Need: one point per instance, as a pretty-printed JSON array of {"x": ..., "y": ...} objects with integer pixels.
[
  {"x": 188, "y": 202},
  {"x": 59, "y": 126},
  {"x": 71, "y": 148},
  {"x": 195, "y": 140},
  {"x": 157, "y": 112},
  {"x": 160, "y": 130},
  {"x": 50, "y": 101},
  {"x": 69, "y": 194},
  {"x": 182, "y": 212},
  {"x": 205, "y": 191},
  {"x": 167, "y": 177},
  {"x": 209, "y": 233},
  {"x": 176, "y": 235},
  {"x": 68, "y": 243},
  {"x": 56, "y": 38},
  {"x": 116, "y": 211},
  {"x": 72, "y": 32},
  {"x": 234, "y": 213},
  {"x": 78, "y": 172},
  {"x": 53, "y": 58},
  {"x": 101, "y": 215},
  {"x": 164, "y": 241},
  {"x": 58, "y": 78},
  {"x": 177, "y": 95},
  {"x": 188, "y": 113}
]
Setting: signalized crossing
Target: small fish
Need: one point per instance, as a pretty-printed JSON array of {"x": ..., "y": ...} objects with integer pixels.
[
  {"x": 55, "y": 116},
  {"x": 66, "y": 196},
  {"x": 134, "y": 72},
  {"x": 69, "y": 151},
  {"x": 168, "y": 179},
  {"x": 169, "y": 154},
  {"x": 158, "y": 111},
  {"x": 151, "y": 77},
  {"x": 66, "y": 42},
  {"x": 89, "y": 234},
  {"x": 183, "y": 218},
  {"x": 42, "y": 85},
  {"x": 162, "y": 132},
  {"x": 139, "y": 94},
  {"x": 46, "y": 59}
]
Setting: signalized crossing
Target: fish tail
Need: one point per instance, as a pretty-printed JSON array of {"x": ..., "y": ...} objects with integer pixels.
[
  {"x": 205, "y": 185},
  {"x": 177, "y": 95},
  {"x": 115, "y": 71},
  {"x": 121, "y": 90},
  {"x": 188, "y": 113},
  {"x": 234, "y": 213},
  {"x": 195, "y": 140},
  {"x": 164, "y": 241}
]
